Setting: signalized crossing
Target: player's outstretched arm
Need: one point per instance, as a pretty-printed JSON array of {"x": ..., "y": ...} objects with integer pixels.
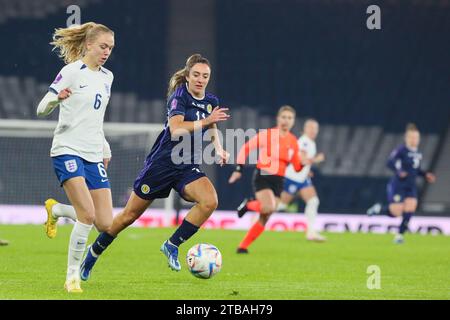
[
  {"x": 51, "y": 101},
  {"x": 179, "y": 127},
  {"x": 319, "y": 158},
  {"x": 223, "y": 155},
  {"x": 430, "y": 177}
]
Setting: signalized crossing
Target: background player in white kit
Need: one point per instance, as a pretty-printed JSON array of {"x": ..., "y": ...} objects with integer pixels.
[
  {"x": 300, "y": 182},
  {"x": 82, "y": 90}
]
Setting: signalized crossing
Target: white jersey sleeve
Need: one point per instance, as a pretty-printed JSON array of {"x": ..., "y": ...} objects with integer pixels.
[
  {"x": 63, "y": 80},
  {"x": 307, "y": 146},
  {"x": 48, "y": 103}
]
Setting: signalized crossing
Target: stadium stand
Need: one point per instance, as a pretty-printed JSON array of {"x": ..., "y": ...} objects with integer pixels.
[
  {"x": 436, "y": 197},
  {"x": 363, "y": 93}
]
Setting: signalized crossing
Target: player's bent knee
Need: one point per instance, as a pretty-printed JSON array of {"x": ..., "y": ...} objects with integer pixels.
[
  {"x": 396, "y": 210},
  {"x": 410, "y": 208},
  {"x": 410, "y": 205},
  {"x": 86, "y": 216},
  {"x": 209, "y": 205},
  {"x": 102, "y": 227},
  {"x": 267, "y": 209}
]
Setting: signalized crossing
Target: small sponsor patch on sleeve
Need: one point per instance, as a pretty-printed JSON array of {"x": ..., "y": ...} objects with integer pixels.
[
  {"x": 58, "y": 78},
  {"x": 173, "y": 105}
]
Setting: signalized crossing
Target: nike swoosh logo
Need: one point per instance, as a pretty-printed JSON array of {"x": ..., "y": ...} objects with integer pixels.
[
  {"x": 81, "y": 87},
  {"x": 104, "y": 180}
]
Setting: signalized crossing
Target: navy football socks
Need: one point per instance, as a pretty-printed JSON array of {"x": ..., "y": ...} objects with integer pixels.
[
  {"x": 102, "y": 242},
  {"x": 183, "y": 233},
  {"x": 405, "y": 221}
]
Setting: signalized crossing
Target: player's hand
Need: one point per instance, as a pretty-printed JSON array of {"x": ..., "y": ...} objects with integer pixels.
[
  {"x": 217, "y": 115},
  {"x": 235, "y": 176},
  {"x": 224, "y": 156},
  {"x": 320, "y": 158},
  {"x": 311, "y": 174},
  {"x": 106, "y": 162},
  {"x": 64, "y": 94},
  {"x": 431, "y": 178},
  {"x": 308, "y": 162},
  {"x": 403, "y": 174}
]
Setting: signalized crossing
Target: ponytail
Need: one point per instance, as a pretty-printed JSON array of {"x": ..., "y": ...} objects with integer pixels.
[{"x": 71, "y": 42}]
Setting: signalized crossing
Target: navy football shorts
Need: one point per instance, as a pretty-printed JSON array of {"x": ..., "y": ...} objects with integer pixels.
[
  {"x": 156, "y": 181},
  {"x": 397, "y": 191}
]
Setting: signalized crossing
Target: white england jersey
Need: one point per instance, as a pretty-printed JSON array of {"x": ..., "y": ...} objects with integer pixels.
[
  {"x": 80, "y": 125},
  {"x": 308, "y": 146}
]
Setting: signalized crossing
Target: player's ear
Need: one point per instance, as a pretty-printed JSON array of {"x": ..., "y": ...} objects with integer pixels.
[{"x": 89, "y": 45}]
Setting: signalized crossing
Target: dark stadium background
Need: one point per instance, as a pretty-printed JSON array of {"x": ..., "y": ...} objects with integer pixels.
[{"x": 362, "y": 85}]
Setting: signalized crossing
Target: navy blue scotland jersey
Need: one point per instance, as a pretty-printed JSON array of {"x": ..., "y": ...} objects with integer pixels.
[
  {"x": 170, "y": 164},
  {"x": 403, "y": 159}
]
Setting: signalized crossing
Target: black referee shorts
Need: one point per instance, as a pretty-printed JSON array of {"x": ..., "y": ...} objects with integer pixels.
[{"x": 267, "y": 181}]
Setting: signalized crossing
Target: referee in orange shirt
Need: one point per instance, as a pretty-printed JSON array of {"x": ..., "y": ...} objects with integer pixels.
[{"x": 277, "y": 148}]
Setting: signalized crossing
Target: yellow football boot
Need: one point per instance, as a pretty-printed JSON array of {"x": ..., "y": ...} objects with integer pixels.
[
  {"x": 73, "y": 285},
  {"x": 51, "y": 224}
]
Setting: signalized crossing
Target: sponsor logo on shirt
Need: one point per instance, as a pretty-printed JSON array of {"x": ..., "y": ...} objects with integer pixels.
[
  {"x": 198, "y": 105},
  {"x": 415, "y": 155},
  {"x": 173, "y": 106}
]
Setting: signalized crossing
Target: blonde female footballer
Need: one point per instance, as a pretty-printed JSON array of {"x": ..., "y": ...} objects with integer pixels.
[{"x": 81, "y": 90}]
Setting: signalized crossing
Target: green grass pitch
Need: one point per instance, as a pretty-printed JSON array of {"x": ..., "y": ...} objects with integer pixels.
[{"x": 281, "y": 265}]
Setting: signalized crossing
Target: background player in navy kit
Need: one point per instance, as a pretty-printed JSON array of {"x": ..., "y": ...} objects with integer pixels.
[
  {"x": 190, "y": 112},
  {"x": 404, "y": 161}
]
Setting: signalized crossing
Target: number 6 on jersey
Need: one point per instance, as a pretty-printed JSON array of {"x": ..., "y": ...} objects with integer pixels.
[{"x": 98, "y": 101}]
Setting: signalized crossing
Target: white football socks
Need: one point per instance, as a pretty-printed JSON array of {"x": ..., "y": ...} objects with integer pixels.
[
  {"x": 63, "y": 210},
  {"x": 312, "y": 206},
  {"x": 77, "y": 245}
]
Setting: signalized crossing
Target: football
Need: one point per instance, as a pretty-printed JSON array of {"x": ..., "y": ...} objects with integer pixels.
[{"x": 204, "y": 260}]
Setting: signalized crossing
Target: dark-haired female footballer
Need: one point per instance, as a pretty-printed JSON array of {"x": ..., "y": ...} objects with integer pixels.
[{"x": 190, "y": 111}]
